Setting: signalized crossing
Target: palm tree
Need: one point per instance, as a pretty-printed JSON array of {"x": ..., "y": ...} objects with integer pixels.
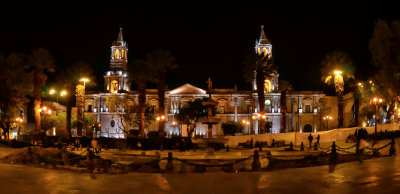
[
  {"x": 39, "y": 62},
  {"x": 284, "y": 86},
  {"x": 69, "y": 79},
  {"x": 140, "y": 72},
  {"x": 335, "y": 68},
  {"x": 161, "y": 61},
  {"x": 261, "y": 66},
  {"x": 14, "y": 91}
]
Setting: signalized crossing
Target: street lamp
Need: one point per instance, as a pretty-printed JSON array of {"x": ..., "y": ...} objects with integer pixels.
[
  {"x": 61, "y": 94},
  {"x": 84, "y": 80},
  {"x": 258, "y": 116},
  {"x": 327, "y": 118},
  {"x": 377, "y": 101}
]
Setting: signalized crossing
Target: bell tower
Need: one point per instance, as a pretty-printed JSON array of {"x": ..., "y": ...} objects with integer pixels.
[
  {"x": 264, "y": 47},
  {"x": 119, "y": 52},
  {"x": 116, "y": 79}
]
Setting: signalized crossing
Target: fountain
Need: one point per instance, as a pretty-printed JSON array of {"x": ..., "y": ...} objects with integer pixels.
[
  {"x": 209, "y": 104},
  {"x": 210, "y": 120}
]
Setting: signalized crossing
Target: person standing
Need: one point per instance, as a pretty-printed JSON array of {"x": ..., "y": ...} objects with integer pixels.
[
  {"x": 318, "y": 137},
  {"x": 310, "y": 138},
  {"x": 94, "y": 145},
  {"x": 77, "y": 144}
]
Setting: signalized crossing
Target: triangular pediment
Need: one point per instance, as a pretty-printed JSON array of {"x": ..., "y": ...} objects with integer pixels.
[{"x": 187, "y": 89}]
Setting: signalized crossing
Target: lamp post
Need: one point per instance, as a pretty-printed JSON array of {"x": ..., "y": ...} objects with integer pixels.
[
  {"x": 60, "y": 94},
  {"x": 246, "y": 123},
  {"x": 377, "y": 101},
  {"x": 45, "y": 111},
  {"x": 161, "y": 119},
  {"x": 258, "y": 116},
  {"x": 327, "y": 118}
]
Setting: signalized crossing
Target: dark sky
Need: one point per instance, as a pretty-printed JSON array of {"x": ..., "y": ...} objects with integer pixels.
[{"x": 208, "y": 39}]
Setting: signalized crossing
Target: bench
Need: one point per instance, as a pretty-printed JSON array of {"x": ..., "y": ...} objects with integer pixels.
[
  {"x": 261, "y": 144},
  {"x": 244, "y": 144},
  {"x": 279, "y": 143}
]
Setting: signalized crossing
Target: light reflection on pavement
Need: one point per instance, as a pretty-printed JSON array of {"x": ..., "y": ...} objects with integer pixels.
[{"x": 380, "y": 175}]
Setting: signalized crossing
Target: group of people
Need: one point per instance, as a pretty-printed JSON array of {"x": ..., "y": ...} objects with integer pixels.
[{"x": 311, "y": 138}]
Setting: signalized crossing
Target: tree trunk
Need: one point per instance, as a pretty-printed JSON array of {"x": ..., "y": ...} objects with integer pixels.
[
  {"x": 69, "y": 107},
  {"x": 261, "y": 100},
  {"x": 80, "y": 98},
  {"x": 356, "y": 110},
  {"x": 161, "y": 99},
  {"x": 37, "y": 104},
  {"x": 390, "y": 110},
  {"x": 283, "y": 112},
  {"x": 340, "y": 110},
  {"x": 142, "y": 106}
]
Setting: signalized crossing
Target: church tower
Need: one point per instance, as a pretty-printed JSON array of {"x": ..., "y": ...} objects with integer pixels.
[
  {"x": 264, "y": 47},
  {"x": 116, "y": 79}
]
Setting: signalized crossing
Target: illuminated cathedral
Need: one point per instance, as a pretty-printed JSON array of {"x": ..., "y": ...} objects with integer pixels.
[{"x": 304, "y": 109}]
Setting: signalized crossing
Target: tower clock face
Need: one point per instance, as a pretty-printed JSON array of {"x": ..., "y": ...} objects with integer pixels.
[{"x": 268, "y": 102}]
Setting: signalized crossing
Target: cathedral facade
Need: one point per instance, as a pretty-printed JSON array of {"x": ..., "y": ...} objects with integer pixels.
[{"x": 304, "y": 109}]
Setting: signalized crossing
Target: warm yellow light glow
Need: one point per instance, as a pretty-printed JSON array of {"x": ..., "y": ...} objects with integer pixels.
[
  {"x": 243, "y": 121},
  {"x": 84, "y": 80},
  {"x": 173, "y": 123},
  {"x": 63, "y": 93},
  {"x": 337, "y": 72},
  {"x": 114, "y": 87},
  {"x": 45, "y": 108},
  {"x": 52, "y": 91},
  {"x": 264, "y": 116},
  {"x": 40, "y": 110},
  {"x": 158, "y": 118},
  {"x": 162, "y": 117},
  {"x": 253, "y": 117},
  {"x": 49, "y": 112}
]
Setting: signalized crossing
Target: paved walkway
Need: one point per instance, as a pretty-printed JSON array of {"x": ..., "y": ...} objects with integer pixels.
[{"x": 372, "y": 176}]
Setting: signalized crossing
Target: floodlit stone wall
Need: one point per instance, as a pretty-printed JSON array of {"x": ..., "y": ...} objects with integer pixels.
[{"x": 297, "y": 138}]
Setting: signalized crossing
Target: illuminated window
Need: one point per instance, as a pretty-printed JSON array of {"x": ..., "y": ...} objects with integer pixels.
[
  {"x": 117, "y": 54},
  {"x": 123, "y": 53},
  {"x": 267, "y": 86},
  {"x": 114, "y": 86},
  {"x": 258, "y": 51},
  {"x": 250, "y": 109},
  {"x": 221, "y": 110},
  {"x": 265, "y": 51}
]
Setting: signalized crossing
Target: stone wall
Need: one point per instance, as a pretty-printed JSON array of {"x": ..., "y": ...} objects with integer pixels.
[{"x": 297, "y": 138}]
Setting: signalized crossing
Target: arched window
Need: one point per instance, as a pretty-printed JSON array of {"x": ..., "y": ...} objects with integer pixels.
[
  {"x": 123, "y": 53},
  {"x": 114, "y": 86},
  {"x": 267, "y": 86},
  {"x": 117, "y": 54},
  {"x": 265, "y": 51},
  {"x": 258, "y": 50}
]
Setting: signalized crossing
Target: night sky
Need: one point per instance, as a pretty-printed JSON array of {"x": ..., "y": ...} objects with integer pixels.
[{"x": 207, "y": 39}]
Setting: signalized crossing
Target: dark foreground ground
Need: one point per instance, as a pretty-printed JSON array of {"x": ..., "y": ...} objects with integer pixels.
[{"x": 380, "y": 175}]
